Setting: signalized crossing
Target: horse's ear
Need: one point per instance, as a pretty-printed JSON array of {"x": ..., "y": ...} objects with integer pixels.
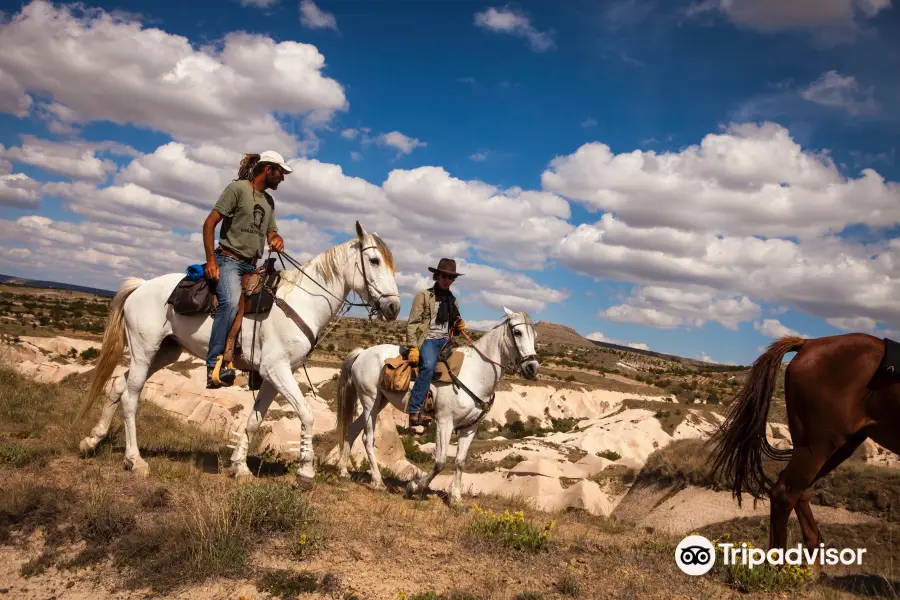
[
  {"x": 360, "y": 232},
  {"x": 508, "y": 312}
]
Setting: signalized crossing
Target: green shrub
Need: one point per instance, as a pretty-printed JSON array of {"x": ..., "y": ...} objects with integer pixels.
[
  {"x": 510, "y": 530},
  {"x": 761, "y": 578},
  {"x": 609, "y": 455}
]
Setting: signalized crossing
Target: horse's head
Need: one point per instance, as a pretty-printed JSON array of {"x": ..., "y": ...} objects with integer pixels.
[
  {"x": 521, "y": 331},
  {"x": 373, "y": 274}
]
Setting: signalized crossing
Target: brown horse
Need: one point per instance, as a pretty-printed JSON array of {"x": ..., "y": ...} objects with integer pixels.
[{"x": 837, "y": 392}]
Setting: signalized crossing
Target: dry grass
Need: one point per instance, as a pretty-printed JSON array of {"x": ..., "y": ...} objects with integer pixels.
[
  {"x": 854, "y": 485},
  {"x": 186, "y": 529}
]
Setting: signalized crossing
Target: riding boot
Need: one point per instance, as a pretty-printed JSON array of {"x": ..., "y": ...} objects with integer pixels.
[
  {"x": 220, "y": 377},
  {"x": 210, "y": 383},
  {"x": 416, "y": 425}
]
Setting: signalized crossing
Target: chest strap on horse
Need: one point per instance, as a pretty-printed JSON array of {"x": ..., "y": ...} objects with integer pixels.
[{"x": 484, "y": 406}]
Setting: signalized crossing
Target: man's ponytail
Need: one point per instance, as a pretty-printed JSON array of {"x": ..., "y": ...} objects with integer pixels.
[{"x": 248, "y": 166}]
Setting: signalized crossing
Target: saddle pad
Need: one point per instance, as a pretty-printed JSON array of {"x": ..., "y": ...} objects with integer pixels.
[
  {"x": 891, "y": 360},
  {"x": 455, "y": 361}
]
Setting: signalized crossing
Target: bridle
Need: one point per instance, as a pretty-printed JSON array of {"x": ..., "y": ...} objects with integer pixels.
[
  {"x": 512, "y": 368},
  {"x": 485, "y": 406},
  {"x": 371, "y": 304}
]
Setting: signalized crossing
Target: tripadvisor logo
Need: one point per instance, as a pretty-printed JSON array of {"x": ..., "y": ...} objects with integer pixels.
[{"x": 695, "y": 555}]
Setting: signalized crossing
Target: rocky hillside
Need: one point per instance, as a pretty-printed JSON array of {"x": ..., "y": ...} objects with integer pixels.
[
  {"x": 614, "y": 435},
  {"x": 552, "y": 334}
]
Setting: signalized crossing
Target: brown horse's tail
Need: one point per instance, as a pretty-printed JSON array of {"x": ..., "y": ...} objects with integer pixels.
[
  {"x": 113, "y": 344},
  {"x": 741, "y": 440},
  {"x": 346, "y": 396}
]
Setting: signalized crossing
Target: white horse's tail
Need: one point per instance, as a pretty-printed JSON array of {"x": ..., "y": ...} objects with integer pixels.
[
  {"x": 346, "y": 394},
  {"x": 113, "y": 344}
]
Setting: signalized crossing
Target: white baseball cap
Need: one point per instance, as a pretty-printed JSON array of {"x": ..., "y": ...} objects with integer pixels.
[{"x": 273, "y": 157}]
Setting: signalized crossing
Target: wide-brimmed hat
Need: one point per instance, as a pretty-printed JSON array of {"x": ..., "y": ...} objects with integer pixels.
[{"x": 446, "y": 265}]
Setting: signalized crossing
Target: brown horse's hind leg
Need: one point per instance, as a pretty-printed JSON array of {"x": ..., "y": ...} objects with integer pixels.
[
  {"x": 811, "y": 534},
  {"x": 792, "y": 482}
]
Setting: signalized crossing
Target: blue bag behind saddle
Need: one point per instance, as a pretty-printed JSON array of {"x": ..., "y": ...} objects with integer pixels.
[{"x": 195, "y": 272}]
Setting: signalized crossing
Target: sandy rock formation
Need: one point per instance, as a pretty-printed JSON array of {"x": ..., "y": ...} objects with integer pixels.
[
  {"x": 543, "y": 402},
  {"x": 557, "y": 471}
]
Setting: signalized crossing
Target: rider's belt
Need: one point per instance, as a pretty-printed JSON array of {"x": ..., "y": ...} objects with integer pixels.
[{"x": 251, "y": 262}]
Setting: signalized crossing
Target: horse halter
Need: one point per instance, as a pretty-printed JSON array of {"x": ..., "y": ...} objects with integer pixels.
[
  {"x": 517, "y": 366},
  {"x": 373, "y": 303},
  {"x": 522, "y": 359}
]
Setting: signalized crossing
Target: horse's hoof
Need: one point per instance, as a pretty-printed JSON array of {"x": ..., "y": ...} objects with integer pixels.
[
  {"x": 379, "y": 486},
  {"x": 304, "y": 483},
  {"x": 410, "y": 490},
  {"x": 241, "y": 474},
  {"x": 306, "y": 476},
  {"x": 141, "y": 470},
  {"x": 86, "y": 446},
  {"x": 344, "y": 474}
]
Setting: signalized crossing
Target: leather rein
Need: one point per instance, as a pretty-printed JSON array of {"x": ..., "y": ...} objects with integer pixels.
[
  {"x": 345, "y": 306},
  {"x": 486, "y": 406}
]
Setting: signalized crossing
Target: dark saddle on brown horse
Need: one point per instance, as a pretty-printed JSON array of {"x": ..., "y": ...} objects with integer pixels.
[
  {"x": 257, "y": 297},
  {"x": 890, "y": 362}
]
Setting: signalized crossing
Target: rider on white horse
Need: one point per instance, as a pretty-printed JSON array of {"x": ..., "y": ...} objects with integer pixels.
[
  {"x": 432, "y": 317},
  {"x": 247, "y": 213}
]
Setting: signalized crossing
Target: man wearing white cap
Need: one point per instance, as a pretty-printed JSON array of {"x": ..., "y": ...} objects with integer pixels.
[{"x": 247, "y": 213}]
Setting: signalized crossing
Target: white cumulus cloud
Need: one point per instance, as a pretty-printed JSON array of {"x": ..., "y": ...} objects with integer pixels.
[
  {"x": 314, "y": 17},
  {"x": 512, "y": 22},
  {"x": 775, "y": 329},
  {"x": 97, "y": 66},
  {"x": 841, "y": 92},
  {"x": 18, "y": 190}
]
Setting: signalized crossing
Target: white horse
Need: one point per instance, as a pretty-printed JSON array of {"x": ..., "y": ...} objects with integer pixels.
[
  {"x": 156, "y": 337},
  {"x": 509, "y": 345}
]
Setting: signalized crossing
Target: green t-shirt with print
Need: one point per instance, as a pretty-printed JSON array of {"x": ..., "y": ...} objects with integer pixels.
[{"x": 248, "y": 216}]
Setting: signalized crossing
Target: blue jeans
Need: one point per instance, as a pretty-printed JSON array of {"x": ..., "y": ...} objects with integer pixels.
[
  {"x": 228, "y": 292},
  {"x": 428, "y": 355}
]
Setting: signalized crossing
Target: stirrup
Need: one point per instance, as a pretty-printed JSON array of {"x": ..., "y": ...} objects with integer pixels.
[
  {"x": 228, "y": 373},
  {"x": 416, "y": 425}
]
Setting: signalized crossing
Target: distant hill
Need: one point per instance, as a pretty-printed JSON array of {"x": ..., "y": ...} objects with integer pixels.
[
  {"x": 688, "y": 361},
  {"x": 552, "y": 333},
  {"x": 36, "y": 283}
]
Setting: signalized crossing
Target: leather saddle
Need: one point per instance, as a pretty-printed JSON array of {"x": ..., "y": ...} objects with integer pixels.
[
  {"x": 257, "y": 297},
  {"x": 890, "y": 362},
  {"x": 394, "y": 370},
  {"x": 195, "y": 296}
]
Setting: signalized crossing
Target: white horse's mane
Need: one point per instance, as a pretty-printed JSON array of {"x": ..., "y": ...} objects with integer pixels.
[{"x": 328, "y": 264}]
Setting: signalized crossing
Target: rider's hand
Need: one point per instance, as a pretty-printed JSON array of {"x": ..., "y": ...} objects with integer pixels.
[
  {"x": 413, "y": 355},
  {"x": 277, "y": 244},
  {"x": 460, "y": 325},
  {"x": 212, "y": 270}
]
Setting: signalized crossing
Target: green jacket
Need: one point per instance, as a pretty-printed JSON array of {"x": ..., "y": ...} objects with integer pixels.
[{"x": 423, "y": 307}]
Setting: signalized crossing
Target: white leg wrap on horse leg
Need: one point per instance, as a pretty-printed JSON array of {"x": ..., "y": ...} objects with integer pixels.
[
  {"x": 306, "y": 472},
  {"x": 306, "y": 448},
  {"x": 238, "y": 468}
]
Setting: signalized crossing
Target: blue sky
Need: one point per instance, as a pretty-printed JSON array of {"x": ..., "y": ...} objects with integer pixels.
[{"x": 727, "y": 148}]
